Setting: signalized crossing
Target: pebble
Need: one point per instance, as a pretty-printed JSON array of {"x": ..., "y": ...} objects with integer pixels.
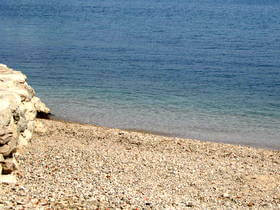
[
  {"x": 226, "y": 195},
  {"x": 8, "y": 179}
]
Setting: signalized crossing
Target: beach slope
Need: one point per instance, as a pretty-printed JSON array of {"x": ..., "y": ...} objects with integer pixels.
[{"x": 71, "y": 165}]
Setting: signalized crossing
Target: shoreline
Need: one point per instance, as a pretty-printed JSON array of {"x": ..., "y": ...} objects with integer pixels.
[{"x": 163, "y": 134}]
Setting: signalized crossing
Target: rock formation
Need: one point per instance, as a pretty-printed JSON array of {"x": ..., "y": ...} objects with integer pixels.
[{"x": 18, "y": 109}]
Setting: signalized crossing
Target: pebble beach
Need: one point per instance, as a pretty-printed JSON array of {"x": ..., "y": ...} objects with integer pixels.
[
  {"x": 176, "y": 104},
  {"x": 79, "y": 166}
]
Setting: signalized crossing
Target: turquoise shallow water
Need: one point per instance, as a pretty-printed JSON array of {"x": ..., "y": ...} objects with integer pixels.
[{"x": 196, "y": 69}]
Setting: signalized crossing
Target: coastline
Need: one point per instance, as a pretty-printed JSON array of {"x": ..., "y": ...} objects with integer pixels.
[
  {"x": 75, "y": 165},
  {"x": 164, "y": 134}
]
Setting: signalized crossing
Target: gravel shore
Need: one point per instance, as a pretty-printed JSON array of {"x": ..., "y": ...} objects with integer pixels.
[{"x": 77, "y": 166}]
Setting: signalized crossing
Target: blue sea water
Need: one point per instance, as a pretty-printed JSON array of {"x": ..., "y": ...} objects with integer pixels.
[{"x": 204, "y": 69}]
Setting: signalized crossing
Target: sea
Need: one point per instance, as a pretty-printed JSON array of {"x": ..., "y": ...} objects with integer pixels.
[{"x": 200, "y": 69}]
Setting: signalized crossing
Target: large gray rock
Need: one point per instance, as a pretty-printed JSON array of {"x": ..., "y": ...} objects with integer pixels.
[{"x": 18, "y": 109}]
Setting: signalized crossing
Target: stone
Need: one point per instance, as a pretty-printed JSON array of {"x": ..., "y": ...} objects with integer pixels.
[
  {"x": 6, "y": 135},
  {"x": 40, "y": 127},
  {"x": 28, "y": 111},
  {"x": 3, "y": 67},
  {"x": 13, "y": 76},
  {"x": 22, "y": 124},
  {"x": 1, "y": 158},
  {"x": 226, "y": 195},
  {"x": 27, "y": 134},
  {"x": 18, "y": 111},
  {"x": 1, "y": 161},
  {"x": 5, "y": 149},
  {"x": 31, "y": 125},
  {"x": 4, "y": 105},
  {"x": 39, "y": 105},
  {"x": 8, "y": 179},
  {"x": 12, "y": 98},
  {"x": 5, "y": 113},
  {"x": 22, "y": 141},
  {"x": 24, "y": 94},
  {"x": 8, "y": 166}
]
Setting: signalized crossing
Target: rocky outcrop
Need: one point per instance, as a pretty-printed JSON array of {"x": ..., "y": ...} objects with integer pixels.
[{"x": 18, "y": 109}]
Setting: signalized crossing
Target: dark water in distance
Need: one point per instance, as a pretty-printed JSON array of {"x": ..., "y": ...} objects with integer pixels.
[{"x": 206, "y": 69}]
